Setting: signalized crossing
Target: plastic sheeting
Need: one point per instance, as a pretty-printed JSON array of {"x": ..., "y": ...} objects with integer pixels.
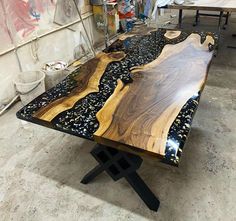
[{"x": 158, "y": 4}]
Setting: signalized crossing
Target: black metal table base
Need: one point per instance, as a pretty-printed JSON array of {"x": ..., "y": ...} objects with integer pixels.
[
  {"x": 220, "y": 16},
  {"x": 197, "y": 18},
  {"x": 119, "y": 164}
]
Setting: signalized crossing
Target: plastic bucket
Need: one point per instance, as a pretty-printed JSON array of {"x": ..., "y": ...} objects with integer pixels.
[
  {"x": 29, "y": 84},
  {"x": 53, "y": 76}
]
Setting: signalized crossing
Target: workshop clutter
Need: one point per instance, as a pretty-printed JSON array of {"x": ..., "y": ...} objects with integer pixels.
[
  {"x": 29, "y": 84},
  {"x": 112, "y": 17},
  {"x": 55, "y": 72}
]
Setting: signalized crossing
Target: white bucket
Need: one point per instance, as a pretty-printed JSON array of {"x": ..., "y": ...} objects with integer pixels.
[
  {"x": 52, "y": 75},
  {"x": 29, "y": 84}
]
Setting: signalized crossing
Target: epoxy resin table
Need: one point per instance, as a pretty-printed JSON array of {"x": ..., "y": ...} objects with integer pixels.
[{"x": 139, "y": 95}]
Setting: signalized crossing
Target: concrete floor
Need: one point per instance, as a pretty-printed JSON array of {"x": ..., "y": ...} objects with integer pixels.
[{"x": 41, "y": 169}]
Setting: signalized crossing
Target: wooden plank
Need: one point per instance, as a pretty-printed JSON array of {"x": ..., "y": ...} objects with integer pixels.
[
  {"x": 88, "y": 82},
  {"x": 208, "y": 5},
  {"x": 140, "y": 114}
]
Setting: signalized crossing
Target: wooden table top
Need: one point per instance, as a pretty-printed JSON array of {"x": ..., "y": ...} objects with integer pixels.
[
  {"x": 140, "y": 93},
  {"x": 208, "y": 5}
]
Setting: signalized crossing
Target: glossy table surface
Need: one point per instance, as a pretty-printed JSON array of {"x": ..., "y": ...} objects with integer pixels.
[
  {"x": 140, "y": 94},
  {"x": 209, "y": 5}
]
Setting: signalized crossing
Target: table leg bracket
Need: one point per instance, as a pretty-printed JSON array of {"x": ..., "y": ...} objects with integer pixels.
[{"x": 119, "y": 164}]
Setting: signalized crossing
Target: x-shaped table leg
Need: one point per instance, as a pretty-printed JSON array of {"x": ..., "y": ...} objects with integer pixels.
[{"x": 119, "y": 164}]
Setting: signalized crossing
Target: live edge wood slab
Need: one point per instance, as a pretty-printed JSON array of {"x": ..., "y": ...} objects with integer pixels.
[{"x": 140, "y": 93}]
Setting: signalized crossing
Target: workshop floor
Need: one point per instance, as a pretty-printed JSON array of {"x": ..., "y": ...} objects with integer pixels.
[{"x": 41, "y": 169}]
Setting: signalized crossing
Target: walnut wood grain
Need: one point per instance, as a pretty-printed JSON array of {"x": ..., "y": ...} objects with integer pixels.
[
  {"x": 88, "y": 82},
  {"x": 123, "y": 103},
  {"x": 136, "y": 31},
  {"x": 105, "y": 115},
  {"x": 209, "y": 5},
  {"x": 140, "y": 114},
  {"x": 172, "y": 34}
]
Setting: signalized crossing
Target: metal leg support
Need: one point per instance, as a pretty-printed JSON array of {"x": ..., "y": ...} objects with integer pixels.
[
  {"x": 180, "y": 17},
  {"x": 119, "y": 164},
  {"x": 196, "y": 18},
  {"x": 220, "y": 20},
  {"x": 219, "y": 30},
  {"x": 226, "y": 20},
  {"x": 143, "y": 191},
  {"x": 220, "y": 16}
]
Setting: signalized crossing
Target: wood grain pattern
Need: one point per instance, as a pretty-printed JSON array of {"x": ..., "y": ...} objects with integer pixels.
[
  {"x": 88, "y": 82},
  {"x": 137, "y": 30},
  {"x": 210, "y": 5},
  {"x": 143, "y": 102},
  {"x": 105, "y": 115},
  {"x": 172, "y": 34},
  {"x": 140, "y": 114}
]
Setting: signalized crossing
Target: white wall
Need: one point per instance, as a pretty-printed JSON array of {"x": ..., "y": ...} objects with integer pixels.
[{"x": 59, "y": 45}]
